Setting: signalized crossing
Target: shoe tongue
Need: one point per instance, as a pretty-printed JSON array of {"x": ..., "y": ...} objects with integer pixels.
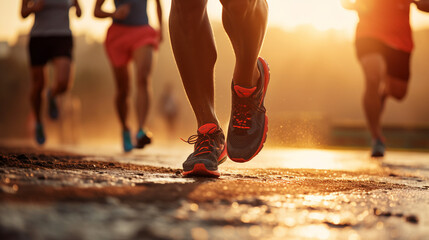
[
  {"x": 244, "y": 92},
  {"x": 207, "y": 128}
]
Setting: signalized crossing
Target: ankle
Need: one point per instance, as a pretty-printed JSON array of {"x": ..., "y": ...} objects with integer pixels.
[
  {"x": 248, "y": 80},
  {"x": 141, "y": 133}
]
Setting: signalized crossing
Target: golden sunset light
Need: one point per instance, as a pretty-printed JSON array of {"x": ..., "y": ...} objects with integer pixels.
[
  {"x": 287, "y": 14},
  {"x": 214, "y": 119}
]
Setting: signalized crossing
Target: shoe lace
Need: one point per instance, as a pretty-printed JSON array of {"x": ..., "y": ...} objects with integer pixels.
[
  {"x": 203, "y": 141},
  {"x": 242, "y": 113}
]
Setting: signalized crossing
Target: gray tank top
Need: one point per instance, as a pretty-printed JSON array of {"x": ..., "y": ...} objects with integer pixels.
[
  {"x": 53, "y": 19},
  {"x": 137, "y": 15}
]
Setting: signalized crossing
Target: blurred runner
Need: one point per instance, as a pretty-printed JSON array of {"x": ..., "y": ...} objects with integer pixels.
[
  {"x": 50, "y": 40},
  {"x": 193, "y": 45},
  {"x": 130, "y": 37},
  {"x": 383, "y": 45},
  {"x": 169, "y": 108}
]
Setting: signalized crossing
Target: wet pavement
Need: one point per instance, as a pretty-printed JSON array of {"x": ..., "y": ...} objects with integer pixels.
[{"x": 101, "y": 193}]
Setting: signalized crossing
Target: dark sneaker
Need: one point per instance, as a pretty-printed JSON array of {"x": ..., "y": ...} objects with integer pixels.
[
  {"x": 378, "y": 148},
  {"x": 248, "y": 126},
  {"x": 53, "y": 108},
  {"x": 40, "y": 134},
  {"x": 209, "y": 152},
  {"x": 142, "y": 139},
  {"x": 126, "y": 139}
]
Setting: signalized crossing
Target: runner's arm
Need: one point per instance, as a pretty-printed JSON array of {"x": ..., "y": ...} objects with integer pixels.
[
  {"x": 422, "y": 5},
  {"x": 100, "y": 13},
  {"x": 120, "y": 13},
  {"x": 159, "y": 12},
  {"x": 29, "y": 6},
  {"x": 78, "y": 9}
]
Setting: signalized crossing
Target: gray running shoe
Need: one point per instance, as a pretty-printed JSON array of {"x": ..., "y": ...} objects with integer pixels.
[{"x": 248, "y": 126}]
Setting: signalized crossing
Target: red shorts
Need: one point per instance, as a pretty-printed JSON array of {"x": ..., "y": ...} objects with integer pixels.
[{"x": 122, "y": 41}]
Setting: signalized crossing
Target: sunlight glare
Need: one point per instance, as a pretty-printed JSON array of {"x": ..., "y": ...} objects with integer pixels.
[
  {"x": 322, "y": 15},
  {"x": 313, "y": 232},
  {"x": 319, "y": 159}
]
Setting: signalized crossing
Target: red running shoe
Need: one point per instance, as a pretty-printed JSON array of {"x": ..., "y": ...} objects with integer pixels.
[{"x": 209, "y": 152}]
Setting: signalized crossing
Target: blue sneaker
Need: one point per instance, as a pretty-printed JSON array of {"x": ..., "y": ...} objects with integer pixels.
[
  {"x": 53, "y": 108},
  {"x": 40, "y": 134},
  {"x": 126, "y": 138},
  {"x": 378, "y": 148},
  {"x": 142, "y": 139}
]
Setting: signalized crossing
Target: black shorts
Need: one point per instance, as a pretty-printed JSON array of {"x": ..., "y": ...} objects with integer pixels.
[
  {"x": 43, "y": 49},
  {"x": 397, "y": 61}
]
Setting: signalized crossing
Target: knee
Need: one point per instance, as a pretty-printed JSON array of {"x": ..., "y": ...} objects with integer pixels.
[
  {"x": 63, "y": 87},
  {"x": 238, "y": 8},
  {"x": 143, "y": 74},
  {"x": 373, "y": 75},
  {"x": 142, "y": 83},
  {"x": 372, "y": 84}
]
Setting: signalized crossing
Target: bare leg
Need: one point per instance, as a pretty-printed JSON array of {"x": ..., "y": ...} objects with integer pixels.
[
  {"x": 374, "y": 69},
  {"x": 143, "y": 62},
  {"x": 122, "y": 94},
  {"x": 62, "y": 66},
  {"x": 38, "y": 76},
  {"x": 195, "y": 53},
  {"x": 245, "y": 22}
]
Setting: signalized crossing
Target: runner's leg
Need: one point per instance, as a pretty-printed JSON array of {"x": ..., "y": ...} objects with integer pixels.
[
  {"x": 374, "y": 68},
  {"x": 195, "y": 53},
  {"x": 245, "y": 22},
  {"x": 62, "y": 70},
  {"x": 143, "y": 62},
  {"x": 122, "y": 94},
  {"x": 38, "y": 76}
]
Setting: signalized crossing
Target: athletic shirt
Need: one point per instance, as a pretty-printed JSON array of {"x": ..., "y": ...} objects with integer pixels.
[
  {"x": 387, "y": 21},
  {"x": 53, "y": 19},
  {"x": 137, "y": 15}
]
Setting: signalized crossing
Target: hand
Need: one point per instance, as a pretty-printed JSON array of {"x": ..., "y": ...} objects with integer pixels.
[
  {"x": 78, "y": 12},
  {"x": 37, "y": 5},
  {"x": 78, "y": 9},
  {"x": 122, "y": 12},
  {"x": 422, "y": 5}
]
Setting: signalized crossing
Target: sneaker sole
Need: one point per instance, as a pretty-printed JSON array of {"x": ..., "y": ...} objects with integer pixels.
[
  {"x": 377, "y": 155},
  {"x": 200, "y": 169},
  {"x": 264, "y": 138},
  {"x": 141, "y": 146}
]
